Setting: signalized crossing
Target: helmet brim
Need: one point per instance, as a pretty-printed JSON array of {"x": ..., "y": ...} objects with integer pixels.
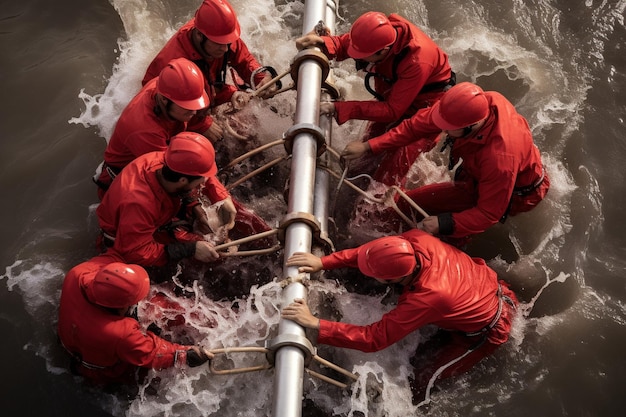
[
  {"x": 226, "y": 39},
  {"x": 438, "y": 119},
  {"x": 196, "y": 104},
  {"x": 355, "y": 54}
]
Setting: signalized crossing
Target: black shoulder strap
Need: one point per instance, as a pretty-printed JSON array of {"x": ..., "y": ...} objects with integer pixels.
[{"x": 394, "y": 74}]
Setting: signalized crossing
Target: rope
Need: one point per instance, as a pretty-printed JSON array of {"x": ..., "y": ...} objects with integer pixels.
[
  {"x": 386, "y": 201},
  {"x": 252, "y": 252},
  {"x": 246, "y": 239},
  {"x": 265, "y": 351},
  {"x": 257, "y": 171},
  {"x": 253, "y": 152},
  {"x": 226, "y": 351},
  {"x": 431, "y": 381},
  {"x": 270, "y": 83}
]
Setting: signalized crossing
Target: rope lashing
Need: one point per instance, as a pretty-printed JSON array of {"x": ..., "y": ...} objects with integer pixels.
[
  {"x": 386, "y": 200},
  {"x": 269, "y": 356},
  {"x": 257, "y": 171},
  {"x": 247, "y": 239},
  {"x": 253, "y": 152},
  {"x": 294, "y": 68}
]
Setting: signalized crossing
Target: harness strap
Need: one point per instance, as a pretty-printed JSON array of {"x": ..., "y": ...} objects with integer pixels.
[
  {"x": 107, "y": 239},
  {"x": 494, "y": 321},
  {"x": 522, "y": 191},
  {"x": 78, "y": 360}
]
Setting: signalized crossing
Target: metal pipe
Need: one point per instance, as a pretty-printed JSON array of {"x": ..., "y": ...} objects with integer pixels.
[{"x": 303, "y": 190}]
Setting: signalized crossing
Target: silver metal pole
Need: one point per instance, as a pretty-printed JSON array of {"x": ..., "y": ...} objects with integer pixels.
[{"x": 289, "y": 359}]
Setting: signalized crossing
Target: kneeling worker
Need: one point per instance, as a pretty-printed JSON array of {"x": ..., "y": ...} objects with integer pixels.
[
  {"x": 106, "y": 344},
  {"x": 442, "y": 286}
]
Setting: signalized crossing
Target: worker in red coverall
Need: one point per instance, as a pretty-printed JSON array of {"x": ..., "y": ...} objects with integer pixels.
[
  {"x": 501, "y": 173},
  {"x": 159, "y": 111},
  {"x": 442, "y": 286},
  {"x": 106, "y": 343},
  {"x": 410, "y": 72},
  {"x": 136, "y": 213},
  {"x": 211, "y": 39}
]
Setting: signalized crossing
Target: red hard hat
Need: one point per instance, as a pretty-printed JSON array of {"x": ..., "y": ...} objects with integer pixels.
[
  {"x": 388, "y": 258},
  {"x": 369, "y": 34},
  {"x": 461, "y": 106},
  {"x": 118, "y": 285},
  {"x": 191, "y": 153},
  {"x": 182, "y": 82},
  {"x": 216, "y": 19}
]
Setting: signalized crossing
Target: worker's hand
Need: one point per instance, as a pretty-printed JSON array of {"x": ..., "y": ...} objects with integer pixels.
[
  {"x": 309, "y": 40},
  {"x": 227, "y": 213},
  {"x": 430, "y": 225},
  {"x": 202, "y": 222},
  {"x": 299, "y": 312},
  {"x": 327, "y": 107},
  {"x": 307, "y": 262},
  {"x": 269, "y": 91},
  {"x": 355, "y": 149},
  {"x": 239, "y": 99},
  {"x": 205, "y": 252},
  {"x": 214, "y": 133},
  {"x": 196, "y": 356}
]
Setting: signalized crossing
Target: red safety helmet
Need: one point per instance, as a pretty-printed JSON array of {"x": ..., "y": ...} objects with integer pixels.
[
  {"x": 192, "y": 154},
  {"x": 216, "y": 19},
  {"x": 387, "y": 258},
  {"x": 118, "y": 285},
  {"x": 182, "y": 82},
  {"x": 369, "y": 34},
  {"x": 461, "y": 106}
]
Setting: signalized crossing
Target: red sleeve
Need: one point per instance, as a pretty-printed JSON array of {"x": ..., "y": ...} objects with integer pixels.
[
  {"x": 215, "y": 190},
  {"x": 336, "y": 47},
  {"x": 245, "y": 63},
  {"x": 409, "y": 315},
  {"x": 347, "y": 258},
  {"x": 134, "y": 239},
  {"x": 411, "y": 78},
  {"x": 417, "y": 127},
  {"x": 148, "y": 350}
]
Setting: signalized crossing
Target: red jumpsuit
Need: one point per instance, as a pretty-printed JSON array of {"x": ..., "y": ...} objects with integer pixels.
[
  {"x": 452, "y": 291},
  {"x": 136, "y": 206},
  {"x": 501, "y": 173},
  {"x": 239, "y": 58},
  {"x": 139, "y": 130},
  {"x": 107, "y": 347},
  {"x": 420, "y": 70}
]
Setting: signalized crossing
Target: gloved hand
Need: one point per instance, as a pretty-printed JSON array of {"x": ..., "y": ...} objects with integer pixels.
[{"x": 196, "y": 356}]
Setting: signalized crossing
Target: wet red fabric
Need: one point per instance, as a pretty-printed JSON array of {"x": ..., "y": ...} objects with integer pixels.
[
  {"x": 452, "y": 291},
  {"x": 99, "y": 337},
  {"x": 139, "y": 130},
  {"x": 497, "y": 158},
  {"x": 424, "y": 63},
  {"x": 136, "y": 205},
  {"x": 181, "y": 45}
]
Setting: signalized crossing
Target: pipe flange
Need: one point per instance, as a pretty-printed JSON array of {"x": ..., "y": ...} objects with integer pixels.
[
  {"x": 294, "y": 340},
  {"x": 301, "y": 217},
  {"x": 312, "y": 54},
  {"x": 331, "y": 89},
  {"x": 309, "y": 128}
]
